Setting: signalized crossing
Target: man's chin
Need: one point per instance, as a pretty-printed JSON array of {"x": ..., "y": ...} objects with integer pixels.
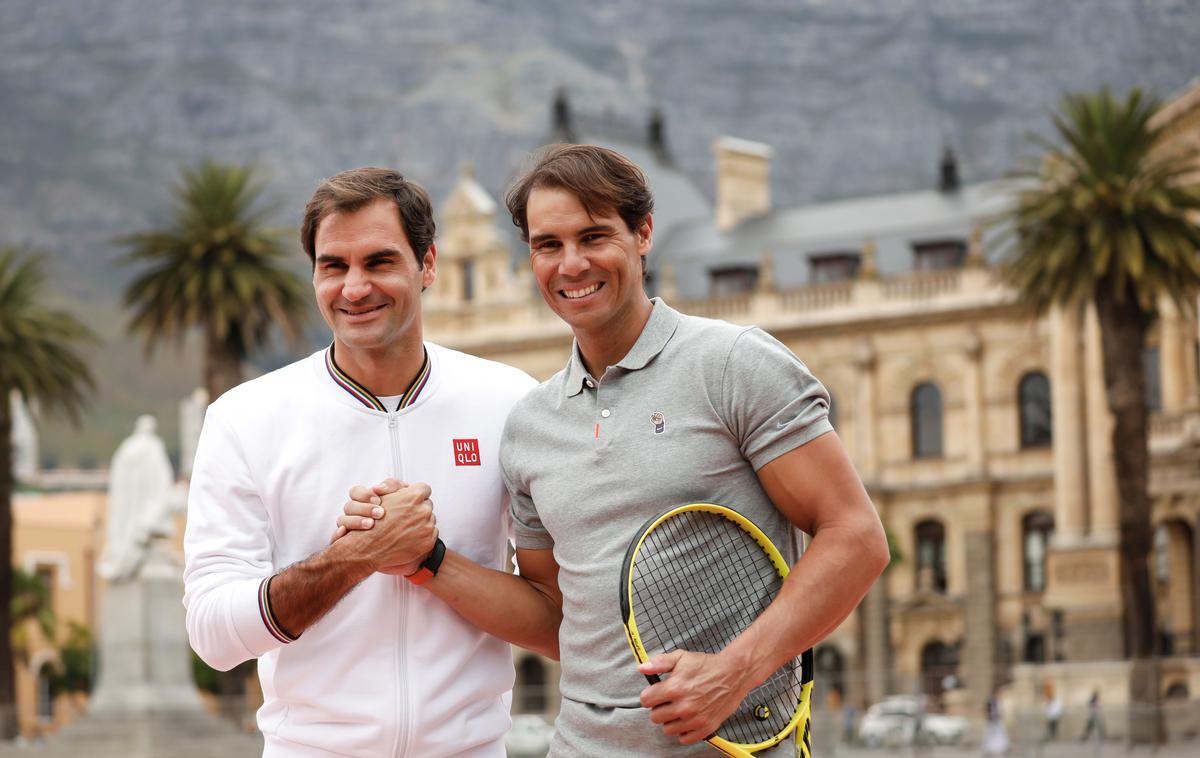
[
  {"x": 353, "y": 339},
  {"x": 580, "y": 320}
]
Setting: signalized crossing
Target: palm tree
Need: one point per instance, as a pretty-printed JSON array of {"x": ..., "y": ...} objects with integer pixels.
[
  {"x": 215, "y": 266},
  {"x": 1109, "y": 216},
  {"x": 39, "y": 359}
]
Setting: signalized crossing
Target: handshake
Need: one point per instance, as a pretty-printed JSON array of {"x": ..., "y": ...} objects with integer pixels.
[{"x": 392, "y": 523}]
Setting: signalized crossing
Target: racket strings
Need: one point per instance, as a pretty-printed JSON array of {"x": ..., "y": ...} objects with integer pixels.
[{"x": 699, "y": 580}]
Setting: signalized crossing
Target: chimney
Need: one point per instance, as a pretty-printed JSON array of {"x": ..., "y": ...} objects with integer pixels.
[
  {"x": 743, "y": 180},
  {"x": 562, "y": 130},
  {"x": 949, "y": 175},
  {"x": 656, "y": 136}
]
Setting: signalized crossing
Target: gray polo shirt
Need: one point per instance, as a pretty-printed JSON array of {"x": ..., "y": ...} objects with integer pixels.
[{"x": 689, "y": 415}]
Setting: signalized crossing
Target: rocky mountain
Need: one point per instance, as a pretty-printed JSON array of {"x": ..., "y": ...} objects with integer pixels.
[{"x": 103, "y": 101}]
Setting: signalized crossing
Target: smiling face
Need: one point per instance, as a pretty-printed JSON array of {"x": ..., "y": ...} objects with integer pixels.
[
  {"x": 367, "y": 281},
  {"x": 588, "y": 267}
]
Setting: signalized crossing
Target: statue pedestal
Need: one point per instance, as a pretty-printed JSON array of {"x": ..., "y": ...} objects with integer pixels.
[
  {"x": 1083, "y": 587},
  {"x": 145, "y": 704},
  {"x": 145, "y": 663}
]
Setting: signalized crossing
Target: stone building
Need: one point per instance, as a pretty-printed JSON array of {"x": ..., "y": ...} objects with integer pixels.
[{"x": 981, "y": 432}]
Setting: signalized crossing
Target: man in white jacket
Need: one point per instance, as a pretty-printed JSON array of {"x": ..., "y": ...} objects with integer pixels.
[{"x": 353, "y": 659}]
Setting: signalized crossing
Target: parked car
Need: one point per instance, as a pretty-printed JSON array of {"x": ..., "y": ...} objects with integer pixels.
[{"x": 893, "y": 722}]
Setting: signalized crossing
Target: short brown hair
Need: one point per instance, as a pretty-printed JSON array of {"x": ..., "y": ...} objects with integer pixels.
[
  {"x": 353, "y": 190},
  {"x": 600, "y": 178}
]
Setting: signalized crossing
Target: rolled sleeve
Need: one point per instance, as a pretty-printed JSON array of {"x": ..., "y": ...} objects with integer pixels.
[
  {"x": 528, "y": 531},
  {"x": 773, "y": 402},
  {"x": 227, "y": 553}
]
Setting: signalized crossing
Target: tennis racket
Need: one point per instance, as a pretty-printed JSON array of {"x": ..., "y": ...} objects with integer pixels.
[{"x": 693, "y": 579}]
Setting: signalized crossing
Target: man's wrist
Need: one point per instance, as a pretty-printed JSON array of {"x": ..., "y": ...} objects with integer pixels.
[
  {"x": 430, "y": 566},
  {"x": 356, "y": 563}
]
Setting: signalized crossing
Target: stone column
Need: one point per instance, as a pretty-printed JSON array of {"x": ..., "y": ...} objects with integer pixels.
[
  {"x": 1173, "y": 349},
  {"x": 865, "y": 433},
  {"x": 1196, "y": 589},
  {"x": 973, "y": 396},
  {"x": 1070, "y": 481},
  {"x": 1102, "y": 472},
  {"x": 979, "y": 632},
  {"x": 878, "y": 662}
]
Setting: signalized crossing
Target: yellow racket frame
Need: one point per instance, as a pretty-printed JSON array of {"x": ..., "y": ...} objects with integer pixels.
[{"x": 804, "y": 708}]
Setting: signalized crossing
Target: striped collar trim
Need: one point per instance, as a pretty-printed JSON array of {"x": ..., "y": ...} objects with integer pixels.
[{"x": 365, "y": 396}]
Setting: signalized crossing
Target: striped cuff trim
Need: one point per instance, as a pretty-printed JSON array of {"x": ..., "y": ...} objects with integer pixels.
[{"x": 264, "y": 609}]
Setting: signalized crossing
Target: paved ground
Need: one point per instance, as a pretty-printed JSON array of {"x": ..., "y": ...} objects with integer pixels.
[
  {"x": 184, "y": 736},
  {"x": 1052, "y": 750}
]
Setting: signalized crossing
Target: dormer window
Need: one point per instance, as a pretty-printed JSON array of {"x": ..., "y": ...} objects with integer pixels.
[
  {"x": 939, "y": 255},
  {"x": 732, "y": 280},
  {"x": 838, "y": 266}
]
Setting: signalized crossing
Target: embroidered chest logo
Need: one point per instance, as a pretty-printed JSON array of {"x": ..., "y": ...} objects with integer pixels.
[
  {"x": 466, "y": 452},
  {"x": 660, "y": 423}
]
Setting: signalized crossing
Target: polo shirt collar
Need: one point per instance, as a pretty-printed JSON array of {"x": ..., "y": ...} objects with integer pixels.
[{"x": 654, "y": 337}]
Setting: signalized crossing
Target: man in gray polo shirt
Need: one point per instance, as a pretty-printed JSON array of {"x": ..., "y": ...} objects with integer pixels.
[{"x": 654, "y": 409}]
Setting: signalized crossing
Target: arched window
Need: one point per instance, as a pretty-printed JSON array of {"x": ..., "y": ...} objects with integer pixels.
[
  {"x": 931, "y": 556},
  {"x": 1153, "y": 370},
  {"x": 531, "y": 685},
  {"x": 939, "y": 669},
  {"x": 1033, "y": 400},
  {"x": 1036, "y": 529},
  {"x": 468, "y": 272},
  {"x": 926, "y": 410}
]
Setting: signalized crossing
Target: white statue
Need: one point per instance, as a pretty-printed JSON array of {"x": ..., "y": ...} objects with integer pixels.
[
  {"x": 142, "y": 500},
  {"x": 191, "y": 419},
  {"x": 24, "y": 439}
]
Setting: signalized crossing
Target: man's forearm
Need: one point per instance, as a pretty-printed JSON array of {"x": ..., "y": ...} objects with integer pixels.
[
  {"x": 304, "y": 592},
  {"x": 511, "y": 607},
  {"x": 837, "y": 570}
]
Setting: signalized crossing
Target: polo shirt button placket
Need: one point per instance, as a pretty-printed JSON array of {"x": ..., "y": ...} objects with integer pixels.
[{"x": 603, "y": 413}]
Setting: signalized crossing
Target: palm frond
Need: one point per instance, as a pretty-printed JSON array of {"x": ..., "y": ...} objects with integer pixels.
[
  {"x": 1106, "y": 207},
  {"x": 216, "y": 266},
  {"x": 39, "y": 345}
]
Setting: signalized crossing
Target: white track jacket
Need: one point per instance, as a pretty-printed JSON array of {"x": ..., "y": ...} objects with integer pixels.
[{"x": 391, "y": 670}]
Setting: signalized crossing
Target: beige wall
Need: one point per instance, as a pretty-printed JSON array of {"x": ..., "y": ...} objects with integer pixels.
[{"x": 61, "y": 531}]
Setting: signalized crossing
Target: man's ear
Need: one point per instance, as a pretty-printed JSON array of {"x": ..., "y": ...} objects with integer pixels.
[
  {"x": 429, "y": 267},
  {"x": 645, "y": 236}
]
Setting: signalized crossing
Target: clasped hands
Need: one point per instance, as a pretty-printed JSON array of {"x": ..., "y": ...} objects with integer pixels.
[
  {"x": 395, "y": 520},
  {"x": 394, "y": 523}
]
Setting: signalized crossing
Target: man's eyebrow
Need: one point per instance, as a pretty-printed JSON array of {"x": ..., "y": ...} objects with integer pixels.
[
  {"x": 585, "y": 230},
  {"x": 596, "y": 228},
  {"x": 384, "y": 254}
]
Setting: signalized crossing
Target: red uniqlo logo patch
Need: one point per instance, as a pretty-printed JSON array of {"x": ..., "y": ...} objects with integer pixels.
[{"x": 466, "y": 452}]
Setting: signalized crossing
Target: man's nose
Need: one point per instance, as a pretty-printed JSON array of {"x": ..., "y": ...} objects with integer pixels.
[
  {"x": 357, "y": 284},
  {"x": 574, "y": 262}
]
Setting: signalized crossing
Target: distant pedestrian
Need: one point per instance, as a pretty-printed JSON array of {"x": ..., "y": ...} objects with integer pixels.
[
  {"x": 1095, "y": 722},
  {"x": 1053, "y": 711},
  {"x": 995, "y": 736},
  {"x": 849, "y": 721}
]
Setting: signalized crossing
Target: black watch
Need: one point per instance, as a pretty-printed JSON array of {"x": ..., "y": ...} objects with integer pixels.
[{"x": 429, "y": 567}]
